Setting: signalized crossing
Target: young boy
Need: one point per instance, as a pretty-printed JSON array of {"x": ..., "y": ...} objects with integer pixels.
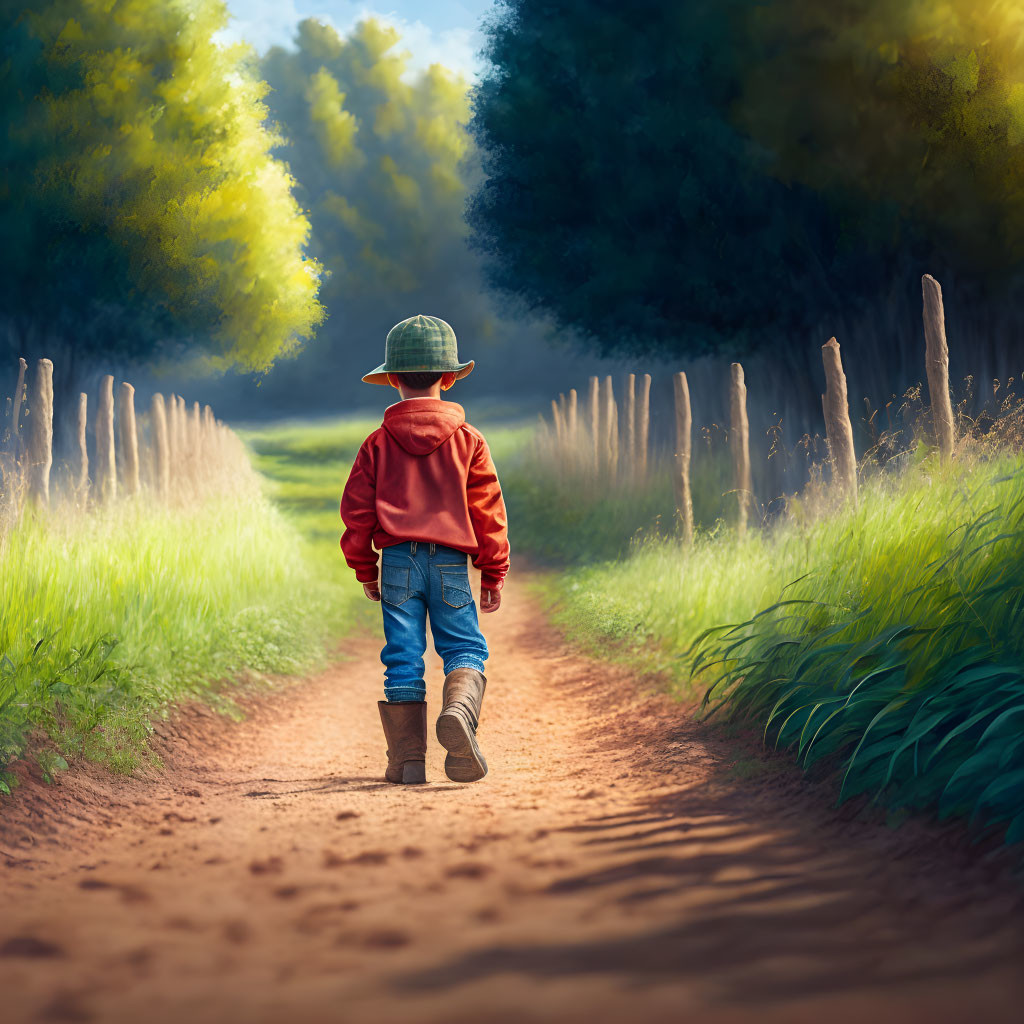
[{"x": 424, "y": 491}]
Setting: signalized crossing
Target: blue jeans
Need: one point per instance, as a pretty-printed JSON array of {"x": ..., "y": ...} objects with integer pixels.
[{"x": 417, "y": 579}]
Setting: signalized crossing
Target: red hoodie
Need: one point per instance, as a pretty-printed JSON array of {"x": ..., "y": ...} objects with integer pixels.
[{"x": 425, "y": 475}]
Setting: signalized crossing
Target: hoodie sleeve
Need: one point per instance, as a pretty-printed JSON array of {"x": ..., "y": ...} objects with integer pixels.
[
  {"x": 490, "y": 523},
  {"x": 359, "y": 513}
]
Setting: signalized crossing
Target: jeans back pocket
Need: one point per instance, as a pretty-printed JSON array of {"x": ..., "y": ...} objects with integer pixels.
[
  {"x": 455, "y": 589},
  {"x": 394, "y": 584}
]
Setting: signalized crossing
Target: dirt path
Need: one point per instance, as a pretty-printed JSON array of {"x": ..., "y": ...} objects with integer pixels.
[{"x": 610, "y": 868}]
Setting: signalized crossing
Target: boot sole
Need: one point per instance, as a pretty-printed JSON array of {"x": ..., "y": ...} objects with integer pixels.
[{"x": 464, "y": 762}]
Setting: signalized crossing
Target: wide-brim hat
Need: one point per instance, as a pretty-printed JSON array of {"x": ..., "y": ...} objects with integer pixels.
[{"x": 421, "y": 344}]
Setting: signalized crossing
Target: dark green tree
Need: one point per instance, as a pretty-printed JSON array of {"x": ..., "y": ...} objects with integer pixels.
[
  {"x": 619, "y": 197},
  {"x": 737, "y": 176}
]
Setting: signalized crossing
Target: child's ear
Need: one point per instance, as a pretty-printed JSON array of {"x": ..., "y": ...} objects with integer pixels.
[
  {"x": 447, "y": 381},
  {"x": 393, "y": 381}
]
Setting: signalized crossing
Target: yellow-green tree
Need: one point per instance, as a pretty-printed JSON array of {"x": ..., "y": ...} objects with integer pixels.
[
  {"x": 383, "y": 160},
  {"x": 142, "y": 206}
]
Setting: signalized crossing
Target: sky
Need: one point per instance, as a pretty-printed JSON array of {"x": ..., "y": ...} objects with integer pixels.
[{"x": 441, "y": 31}]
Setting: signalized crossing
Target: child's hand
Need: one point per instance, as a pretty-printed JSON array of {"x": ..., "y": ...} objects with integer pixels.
[
  {"x": 489, "y": 600},
  {"x": 372, "y": 591}
]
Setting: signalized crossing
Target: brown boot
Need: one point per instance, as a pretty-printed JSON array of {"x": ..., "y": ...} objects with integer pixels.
[
  {"x": 405, "y": 729},
  {"x": 456, "y": 725}
]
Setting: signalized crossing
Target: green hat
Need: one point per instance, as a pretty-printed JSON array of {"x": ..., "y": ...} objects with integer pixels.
[{"x": 421, "y": 344}]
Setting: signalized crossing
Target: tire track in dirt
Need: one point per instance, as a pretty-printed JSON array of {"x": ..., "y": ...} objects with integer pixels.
[{"x": 611, "y": 867}]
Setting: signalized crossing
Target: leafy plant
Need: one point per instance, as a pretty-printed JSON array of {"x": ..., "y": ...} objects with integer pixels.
[{"x": 881, "y": 642}]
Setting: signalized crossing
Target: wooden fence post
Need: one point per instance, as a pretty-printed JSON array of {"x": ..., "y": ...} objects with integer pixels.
[
  {"x": 208, "y": 429},
  {"x": 19, "y": 397},
  {"x": 80, "y": 467},
  {"x": 173, "y": 437},
  {"x": 169, "y": 416},
  {"x": 556, "y": 419},
  {"x": 196, "y": 440},
  {"x": 613, "y": 437},
  {"x": 838, "y": 429},
  {"x": 106, "y": 463},
  {"x": 631, "y": 423},
  {"x": 191, "y": 420},
  {"x": 572, "y": 427},
  {"x": 161, "y": 452},
  {"x": 607, "y": 414},
  {"x": 129, "y": 438},
  {"x": 595, "y": 423},
  {"x": 40, "y": 442},
  {"x": 180, "y": 465},
  {"x": 192, "y": 464},
  {"x": 739, "y": 442},
  {"x": 937, "y": 363},
  {"x": 684, "y": 422},
  {"x": 643, "y": 413}
]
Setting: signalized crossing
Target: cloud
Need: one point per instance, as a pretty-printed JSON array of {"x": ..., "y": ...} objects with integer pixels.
[
  {"x": 266, "y": 23},
  {"x": 456, "y": 48}
]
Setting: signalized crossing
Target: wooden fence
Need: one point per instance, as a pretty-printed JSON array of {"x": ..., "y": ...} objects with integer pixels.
[
  {"x": 591, "y": 436},
  {"x": 172, "y": 452},
  {"x": 589, "y": 439}
]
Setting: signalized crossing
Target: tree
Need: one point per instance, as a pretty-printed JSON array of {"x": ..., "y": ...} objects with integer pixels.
[
  {"x": 143, "y": 210},
  {"x": 383, "y": 161},
  {"x": 728, "y": 176},
  {"x": 619, "y": 197},
  {"x": 917, "y": 105}
]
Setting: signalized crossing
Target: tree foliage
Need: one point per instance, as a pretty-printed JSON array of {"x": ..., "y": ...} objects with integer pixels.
[
  {"x": 142, "y": 205},
  {"x": 917, "y": 104},
  {"x": 381, "y": 157},
  {"x": 724, "y": 175}
]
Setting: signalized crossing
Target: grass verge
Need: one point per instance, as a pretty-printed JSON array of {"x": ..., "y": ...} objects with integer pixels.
[
  {"x": 108, "y": 619},
  {"x": 882, "y": 641}
]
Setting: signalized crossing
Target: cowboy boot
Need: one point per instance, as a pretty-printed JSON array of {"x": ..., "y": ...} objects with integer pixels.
[
  {"x": 456, "y": 725},
  {"x": 405, "y": 729}
]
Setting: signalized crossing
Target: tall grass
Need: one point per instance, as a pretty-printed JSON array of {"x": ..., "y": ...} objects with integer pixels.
[
  {"x": 108, "y": 618},
  {"x": 899, "y": 653},
  {"x": 305, "y": 465},
  {"x": 883, "y": 640},
  {"x": 566, "y": 515}
]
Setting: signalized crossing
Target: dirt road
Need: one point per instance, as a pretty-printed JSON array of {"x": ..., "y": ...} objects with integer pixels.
[{"x": 616, "y": 865}]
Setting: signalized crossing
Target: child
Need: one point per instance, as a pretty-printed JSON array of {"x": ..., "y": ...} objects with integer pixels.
[{"x": 424, "y": 491}]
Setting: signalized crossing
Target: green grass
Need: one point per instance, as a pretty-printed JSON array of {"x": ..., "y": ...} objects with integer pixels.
[
  {"x": 561, "y": 516},
  {"x": 109, "y": 618},
  {"x": 306, "y": 464},
  {"x": 882, "y": 642}
]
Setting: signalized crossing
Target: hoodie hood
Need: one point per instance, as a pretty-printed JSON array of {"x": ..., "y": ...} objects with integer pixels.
[{"x": 422, "y": 425}]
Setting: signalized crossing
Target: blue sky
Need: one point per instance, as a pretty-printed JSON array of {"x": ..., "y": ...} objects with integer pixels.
[{"x": 445, "y": 31}]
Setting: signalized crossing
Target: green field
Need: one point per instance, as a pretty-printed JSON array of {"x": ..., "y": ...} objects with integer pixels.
[
  {"x": 305, "y": 464},
  {"x": 109, "y": 618}
]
